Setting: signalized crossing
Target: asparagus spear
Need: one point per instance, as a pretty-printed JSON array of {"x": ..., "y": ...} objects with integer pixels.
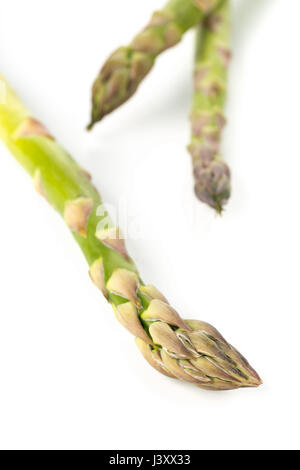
[
  {"x": 126, "y": 68},
  {"x": 189, "y": 350},
  {"x": 212, "y": 174}
]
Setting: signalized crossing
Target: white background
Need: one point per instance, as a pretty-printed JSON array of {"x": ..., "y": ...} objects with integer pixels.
[{"x": 71, "y": 377}]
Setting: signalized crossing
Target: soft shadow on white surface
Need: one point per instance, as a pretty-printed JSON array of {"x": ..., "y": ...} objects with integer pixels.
[{"x": 247, "y": 15}]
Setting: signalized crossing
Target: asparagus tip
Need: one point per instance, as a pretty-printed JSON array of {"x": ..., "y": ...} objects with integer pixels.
[
  {"x": 213, "y": 184},
  {"x": 90, "y": 126},
  {"x": 219, "y": 209}
]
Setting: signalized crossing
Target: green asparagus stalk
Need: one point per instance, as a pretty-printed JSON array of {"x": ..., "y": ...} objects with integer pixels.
[
  {"x": 189, "y": 350},
  {"x": 212, "y": 174},
  {"x": 126, "y": 68}
]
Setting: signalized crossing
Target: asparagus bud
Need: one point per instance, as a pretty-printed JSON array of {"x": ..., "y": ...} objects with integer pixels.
[
  {"x": 207, "y": 360},
  {"x": 206, "y": 5}
]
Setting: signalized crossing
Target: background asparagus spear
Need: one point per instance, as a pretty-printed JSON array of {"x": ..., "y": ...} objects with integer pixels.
[
  {"x": 205, "y": 5},
  {"x": 212, "y": 174},
  {"x": 125, "y": 69},
  {"x": 188, "y": 350}
]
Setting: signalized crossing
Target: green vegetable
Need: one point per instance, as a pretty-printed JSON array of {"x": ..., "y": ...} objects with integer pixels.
[
  {"x": 189, "y": 350},
  {"x": 126, "y": 68},
  {"x": 212, "y": 174}
]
